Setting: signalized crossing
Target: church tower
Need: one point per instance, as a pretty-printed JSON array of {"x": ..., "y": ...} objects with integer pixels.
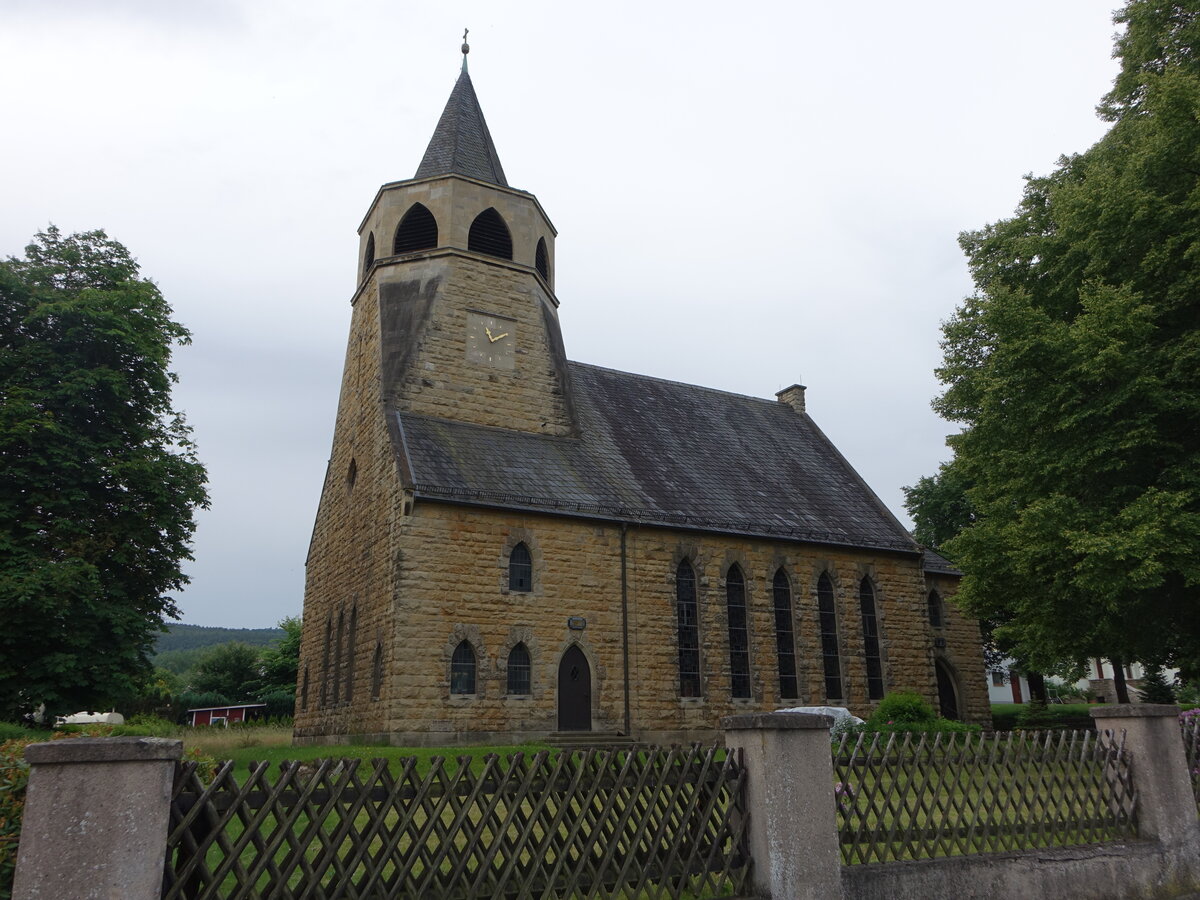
[{"x": 463, "y": 266}]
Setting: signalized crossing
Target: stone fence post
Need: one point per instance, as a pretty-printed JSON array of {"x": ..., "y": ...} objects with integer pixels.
[
  {"x": 96, "y": 818},
  {"x": 789, "y": 800},
  {"x": 1166, "y": 807}
]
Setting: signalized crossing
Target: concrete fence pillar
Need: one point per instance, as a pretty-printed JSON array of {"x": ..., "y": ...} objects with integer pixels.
[
  {"x": 1166, "y": 807},
  {"x": 95, "y": 820},
  {"x": 790, "y": 803}
]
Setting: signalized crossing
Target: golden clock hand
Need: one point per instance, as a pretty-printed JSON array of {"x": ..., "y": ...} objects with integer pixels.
[{"x": 498, "y": 337}]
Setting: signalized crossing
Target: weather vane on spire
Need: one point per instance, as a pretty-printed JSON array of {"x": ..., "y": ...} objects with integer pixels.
[{"x": 466, "y": 48}]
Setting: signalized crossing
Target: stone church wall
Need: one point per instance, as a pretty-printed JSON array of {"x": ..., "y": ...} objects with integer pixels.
[{"x": 451, "y": 584}]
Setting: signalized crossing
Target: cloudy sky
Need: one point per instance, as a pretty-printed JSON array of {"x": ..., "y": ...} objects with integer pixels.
[{"x": 746, "y": 196}]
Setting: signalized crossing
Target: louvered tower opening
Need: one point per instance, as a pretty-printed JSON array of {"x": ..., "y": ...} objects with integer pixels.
[
  {"x": 418, "y": 231},
  {"x": 542, "y": 260},
  {"x": 490, "y": 235},
  {"x": 369, "y": 256}
]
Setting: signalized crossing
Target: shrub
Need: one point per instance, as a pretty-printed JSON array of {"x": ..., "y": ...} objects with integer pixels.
[
  {"x": 902, "y": 706},
  {"x": 14, "y": 774},
  {"x": 10, "y": 731},
  {"x": 1154, "y": 687},
  {"x": 1035, "y": 717},
  {"x": 1188, "y": 694}
]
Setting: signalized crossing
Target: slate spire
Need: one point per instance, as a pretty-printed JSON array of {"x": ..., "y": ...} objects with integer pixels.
[{"x": 461, "y": 143}]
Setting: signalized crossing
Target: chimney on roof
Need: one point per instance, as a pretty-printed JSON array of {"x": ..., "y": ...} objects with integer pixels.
[{"x": 793, "y": 396}]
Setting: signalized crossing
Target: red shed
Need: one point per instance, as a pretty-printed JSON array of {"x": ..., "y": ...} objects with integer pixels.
[{"x": 227, "y": 715}]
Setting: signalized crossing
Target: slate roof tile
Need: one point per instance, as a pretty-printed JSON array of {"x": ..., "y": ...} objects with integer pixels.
[
  {"x": 461, "y": 143},
  {"x": 661, "y": 452}
]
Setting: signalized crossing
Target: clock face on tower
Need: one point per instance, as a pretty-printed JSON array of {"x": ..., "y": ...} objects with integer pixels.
[{"x": 491, "y": 340}]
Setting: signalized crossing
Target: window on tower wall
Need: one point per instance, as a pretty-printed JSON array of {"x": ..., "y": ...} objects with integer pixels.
[
  {"x": 520, "y": 569},
  {"x": 688, "y": 630},
  {"x": 462, "y": 669},
  {"x": 870, "y": 623},
  {"x": 369, "y": 255},
  {"x": 490, "y": 235},
  {"x": 377, "y": 672},
  {"x": 781, "y": 593},
  {"x": 542, "y": 259},
  {"x": 418, "y": 230},
  {"x": 739, "y": 639}
]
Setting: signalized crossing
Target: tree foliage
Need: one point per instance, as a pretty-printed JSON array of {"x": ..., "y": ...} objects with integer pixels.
[
  {"x": 1075, "y": 371},
  {"x": 231, "y": 670},
  {"x": 100, "y": 478}
]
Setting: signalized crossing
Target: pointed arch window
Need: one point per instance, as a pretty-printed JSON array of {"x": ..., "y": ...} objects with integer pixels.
[
  {"x": 542, "y": 259},
  {"x": 688, "y": 630},
  {"x": 337, "y": 658},
  {"x": 462, "y": 669},
  {"x": 490, "y": 235},
  {"x": 830, "y": 654},
  {"x": 520, "y": 569},
  {"x": 785, "y": 642},
  {"x": 519, "y": 670},
  {"x": 935, "y": 609},
  {"x": 418, "y": 230},
  {"x": 325, "y": 673},
  {"x": 870, "y": 623},
  {"x": 351, "y": 651},
  {"x": 739, "y": 638},
  {"x": 369, "y": 255},
  {"x": 304, "y": 689},
  {"x": 377, "y": 671}
]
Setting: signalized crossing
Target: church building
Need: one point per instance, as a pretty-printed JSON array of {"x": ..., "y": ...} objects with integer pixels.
[{"x": 510, "y": 544}]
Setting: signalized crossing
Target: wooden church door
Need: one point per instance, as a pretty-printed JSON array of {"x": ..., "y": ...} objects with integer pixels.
[
  {"x": 574, "y": 691},
  {"x": 947, "y": 691}
]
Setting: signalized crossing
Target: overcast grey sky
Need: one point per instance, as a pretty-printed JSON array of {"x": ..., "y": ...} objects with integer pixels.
[{"x": 746, "y": 197}]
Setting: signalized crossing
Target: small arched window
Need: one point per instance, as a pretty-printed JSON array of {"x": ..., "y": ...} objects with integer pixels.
[
  {"x": 520, "y": 569},
  {"x": 490, "y": 235},
  {"x": 542, "y": 259},
  {"x": 418, "y": 230},
  {"x": 688, "y": 630},
  {"x": 785, "y": 644},
  {"x": 462, "y": 669},
  {"x": 377, "y": 672},
  {"x": 519, "y": 670},
  {"x": 830, "y": 654},
  {"x": 351, "y": 475},
  {"x": 739, "y": 639},
  {"x": 369, "y": 255},
  {"x": 935, "y": 609},
  {"x": 870, "y": 623}
]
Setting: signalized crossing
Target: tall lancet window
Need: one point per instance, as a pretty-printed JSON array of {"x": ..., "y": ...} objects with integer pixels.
[
  {"x": 688, "y": 630},
  {"x": 785, "y": 643},
  {"x": 866, "y": 601},
  {"x": 739, "y": 638},
  {"x": 830, "y": 652}
]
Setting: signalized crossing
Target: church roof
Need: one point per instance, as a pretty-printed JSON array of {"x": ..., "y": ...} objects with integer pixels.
[
  {"x": 937, "y": 564},
  {"x": 660, "y": 452},
  {"x": 461, "y": 143}
]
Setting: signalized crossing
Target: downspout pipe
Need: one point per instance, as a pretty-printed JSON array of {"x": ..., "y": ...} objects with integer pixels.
[{"x": 625, "y": 625}]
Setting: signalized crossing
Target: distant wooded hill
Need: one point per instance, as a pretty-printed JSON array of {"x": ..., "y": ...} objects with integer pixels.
[
  {"x": 181, "y": 648},
  {"x": 192, "y": 637}
]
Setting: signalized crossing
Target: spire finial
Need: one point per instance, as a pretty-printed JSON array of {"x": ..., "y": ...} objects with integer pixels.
[{"x": 466, "y": 48}]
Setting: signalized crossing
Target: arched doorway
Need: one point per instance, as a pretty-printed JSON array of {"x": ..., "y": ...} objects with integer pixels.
[
  {"x": 947, "y": 691},
  {"x": 574, "y": 691}
]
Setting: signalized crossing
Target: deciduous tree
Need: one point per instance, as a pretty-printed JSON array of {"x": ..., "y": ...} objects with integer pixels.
[
  {"x": 1075, "y": 371},
  {"x": 100, "y": 479}
]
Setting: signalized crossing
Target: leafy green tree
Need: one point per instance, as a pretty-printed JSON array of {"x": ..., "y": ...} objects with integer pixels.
[
  {"x": 279, "y": 663},
  {"x": 100, "y": 479},
  {"x": 231, "y": 670},
  {"x": 939, "y": 506},
  {"x": 1075, "y": 372}
]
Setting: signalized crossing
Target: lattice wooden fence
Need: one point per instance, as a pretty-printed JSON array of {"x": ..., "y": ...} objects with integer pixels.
[
  {"x": 629, "y": 823},
  {"x": 1189, "y": 724},
  {"x": 904, "y": 796}
]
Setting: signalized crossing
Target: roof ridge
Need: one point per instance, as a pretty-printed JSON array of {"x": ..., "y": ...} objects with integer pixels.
[{"x": 686, "y": 384}]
